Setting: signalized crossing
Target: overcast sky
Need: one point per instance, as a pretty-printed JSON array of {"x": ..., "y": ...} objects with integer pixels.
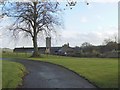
[{"x": 92, "y": 23}]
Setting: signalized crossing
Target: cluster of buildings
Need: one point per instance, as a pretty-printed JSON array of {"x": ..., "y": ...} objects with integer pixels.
[
  {"x": 64, "y": 50},
  {"x": 110, "y": 50}
]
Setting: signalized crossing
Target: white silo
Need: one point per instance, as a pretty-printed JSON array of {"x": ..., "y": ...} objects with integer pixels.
[{"x": 48, "y": 44}]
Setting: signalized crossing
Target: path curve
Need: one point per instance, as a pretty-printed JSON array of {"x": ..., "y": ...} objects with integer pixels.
[{"x": 46, "y": 75}]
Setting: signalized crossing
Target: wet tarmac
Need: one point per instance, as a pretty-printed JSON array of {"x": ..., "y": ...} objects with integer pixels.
[{"x": 46, "y": 75}]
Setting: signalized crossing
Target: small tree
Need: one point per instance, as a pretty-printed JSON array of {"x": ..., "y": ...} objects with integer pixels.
[
  {"x": 110, "y": 44},
  {"x": 86, "y": 44},
  {"x": 106, "y": 41}
]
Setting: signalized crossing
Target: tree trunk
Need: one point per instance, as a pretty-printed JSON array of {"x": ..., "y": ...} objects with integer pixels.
[{"x": 36, "y": 52}]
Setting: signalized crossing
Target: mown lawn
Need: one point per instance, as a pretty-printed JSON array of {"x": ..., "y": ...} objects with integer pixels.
[
  {"x": 0, "y": 74},
  {"x": 15, "y": 55},
  {"x": 103, "y": 72},
  {"x": 12, "y": 74}
]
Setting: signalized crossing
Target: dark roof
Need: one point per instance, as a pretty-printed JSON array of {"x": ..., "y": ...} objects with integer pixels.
[
  {"x": 30, "y": 48},
  {"x": 38, "y": 47}
]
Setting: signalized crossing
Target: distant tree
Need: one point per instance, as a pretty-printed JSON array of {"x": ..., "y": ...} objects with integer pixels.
[
  {"x": 113, "y": 38},
  {"x": 106, "y": 41},
  {"x": 86, "y": 44},
  {"x": 77, "y": 51},
  {"x": 66, "y": 45},
  {"x": 110, "y": 44},
  {"x": 109, "y": 41},
  {"x": 33, "y": 17},
  {"x": 86, "y": 48}
]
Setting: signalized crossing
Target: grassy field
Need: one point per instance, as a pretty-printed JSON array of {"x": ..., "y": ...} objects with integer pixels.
[
  {"x": 0, "y": 74},
  {"x": 103, "y": 72},
  {"x": 12, "y": 74},
  {"x": 15, "y": 55}
]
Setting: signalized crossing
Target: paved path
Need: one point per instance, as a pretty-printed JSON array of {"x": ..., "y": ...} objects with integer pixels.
[{"x": 46, "y": 75}]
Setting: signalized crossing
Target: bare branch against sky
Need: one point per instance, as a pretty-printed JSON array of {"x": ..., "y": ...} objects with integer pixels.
[{"x": 33, "y": 18}]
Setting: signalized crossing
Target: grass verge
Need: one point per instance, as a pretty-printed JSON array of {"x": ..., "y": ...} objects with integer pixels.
[
  {"x": 12, "y": 74},
  {"x": 0, "y": 74}
]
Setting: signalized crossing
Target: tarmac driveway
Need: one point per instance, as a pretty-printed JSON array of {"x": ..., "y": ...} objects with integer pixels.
[{"x": 46, "y": 75}]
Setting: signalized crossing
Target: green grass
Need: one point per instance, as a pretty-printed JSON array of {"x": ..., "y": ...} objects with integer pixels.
[
  {"x": 12, "y": 74},
  {"x": 0, "y": 74},
  {"x": 103, "y": 72},
  {"x": 15, "y": 55}
]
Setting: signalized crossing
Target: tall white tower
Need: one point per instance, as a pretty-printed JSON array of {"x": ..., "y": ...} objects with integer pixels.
[{"x": 48, "y": 44}]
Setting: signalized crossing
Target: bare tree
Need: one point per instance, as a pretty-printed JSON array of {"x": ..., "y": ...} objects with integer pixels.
[
  {"x": 32, "y": 18},
  {"x": 106, "y": 41},
  {"x": 86, "y": 44},
  {"x": 114, "y": 39}
]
